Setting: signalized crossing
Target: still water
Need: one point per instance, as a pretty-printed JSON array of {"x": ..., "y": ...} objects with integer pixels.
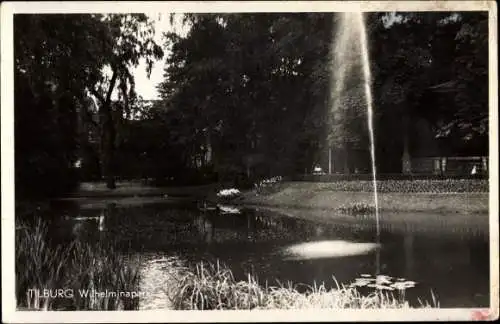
[{"x": 454, "y": 267}]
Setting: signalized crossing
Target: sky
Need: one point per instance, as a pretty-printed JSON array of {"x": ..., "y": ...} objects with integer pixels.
[{"x": 147, "y": 87}]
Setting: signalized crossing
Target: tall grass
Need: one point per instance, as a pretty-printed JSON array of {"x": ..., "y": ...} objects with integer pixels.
[
  {"x": 212, "y": 286},
  {"x": 38, "y": 266},
  {"x": 75, "y": 267}
]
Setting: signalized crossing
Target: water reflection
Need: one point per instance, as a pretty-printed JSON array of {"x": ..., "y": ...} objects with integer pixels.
[
  {"x": 454, "y": 266},
  {"x": 205, "y": 227},
  {"x": 408, "y": 245}
]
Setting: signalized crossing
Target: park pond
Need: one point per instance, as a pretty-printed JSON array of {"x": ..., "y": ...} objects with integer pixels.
[{"x": 451, "y": 265}]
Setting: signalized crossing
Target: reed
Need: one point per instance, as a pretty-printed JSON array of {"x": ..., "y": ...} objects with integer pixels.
[
  {"x": 213, "y": 287},
  {"x": 79, "y": 268}
]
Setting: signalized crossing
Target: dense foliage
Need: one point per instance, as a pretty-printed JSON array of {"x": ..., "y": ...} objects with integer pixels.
[
  {"x": 244, "y": 96},
  {"x": 63, "y": 90},
  {"x": 256, "y": 88}
]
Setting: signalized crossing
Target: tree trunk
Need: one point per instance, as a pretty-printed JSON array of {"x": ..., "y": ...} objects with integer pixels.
[
  {"x": 108, "y": 133},
  {"x": 107, "y": 146}
]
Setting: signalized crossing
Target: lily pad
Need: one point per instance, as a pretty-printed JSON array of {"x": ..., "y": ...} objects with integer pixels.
[
  {"x": 403, "y": 285},
  {"x": 382, "y": 287}
]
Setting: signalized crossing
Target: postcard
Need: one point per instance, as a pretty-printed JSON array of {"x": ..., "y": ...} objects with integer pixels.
[{"x": 248, "y": 161}]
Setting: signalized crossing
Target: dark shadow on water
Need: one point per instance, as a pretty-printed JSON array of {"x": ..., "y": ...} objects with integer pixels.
[{"x": 455, "y": 268}]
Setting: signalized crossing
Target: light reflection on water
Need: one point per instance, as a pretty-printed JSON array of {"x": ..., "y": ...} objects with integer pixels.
[
  {"x": 327, "y": 249},
  {"x": 455, "y": 266}
]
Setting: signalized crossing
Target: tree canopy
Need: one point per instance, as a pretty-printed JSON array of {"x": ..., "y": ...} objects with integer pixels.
[
  {"x": 243, "y": 95},
  {"x": 60, "y": 63},
  {"x": 259, "y": 84}
]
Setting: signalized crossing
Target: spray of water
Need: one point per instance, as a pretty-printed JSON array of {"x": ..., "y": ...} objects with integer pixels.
[
  {"x": 350, "y": 56},
  {"x": 369, "y": 104}
]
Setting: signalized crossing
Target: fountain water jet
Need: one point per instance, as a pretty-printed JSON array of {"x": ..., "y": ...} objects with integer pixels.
[
  {"x": 350, "y": 40},
  {"x": 369, "y": 104}
]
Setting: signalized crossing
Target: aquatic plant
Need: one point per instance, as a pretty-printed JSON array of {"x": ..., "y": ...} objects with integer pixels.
[
  {"x": 78, "y": 267},
  {"x": 102, "y": 268},
  {"x": 213, "y": 286},
  {"x": 37, "y": 266},
  {"x": 387, "y": 283}
]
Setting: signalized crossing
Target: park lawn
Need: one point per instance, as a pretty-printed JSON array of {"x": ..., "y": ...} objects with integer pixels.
[
  {"x": 319, "y": 196},
  {"x": 443, "y": 213}
]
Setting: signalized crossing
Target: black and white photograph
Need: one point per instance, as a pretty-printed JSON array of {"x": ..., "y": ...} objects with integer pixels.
[{"x": 300, "y": 160}]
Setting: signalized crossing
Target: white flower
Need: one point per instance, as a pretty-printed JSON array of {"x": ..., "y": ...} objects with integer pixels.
[{"x": 228, "y": 192}]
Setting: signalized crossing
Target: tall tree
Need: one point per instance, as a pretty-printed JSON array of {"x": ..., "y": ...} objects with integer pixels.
[
  {"x": 51, "y": 70},
  {"x": 257, "y": 72},
  {"x": 63, "y": 58},
  {"x": 415, "y": 54},
  {"x": 124, "y": 40}
]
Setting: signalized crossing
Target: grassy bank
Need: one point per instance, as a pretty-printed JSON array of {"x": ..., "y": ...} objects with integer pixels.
[
  {"x": 212, "y": 286},
  {"x": 43, "y": 267},
  {"x": 395, "y": 197}
]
